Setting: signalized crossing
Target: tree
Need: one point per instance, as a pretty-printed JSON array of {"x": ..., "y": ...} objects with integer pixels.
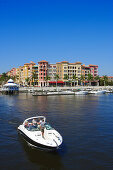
[
  {"x": 56, "y": 78},
  {"x": 34, "y": 77},
  {"x": 27, "y": 80},
  {"x": 66, "y": 77},
  {"x": 47, "y": 78},
  {"x": 13, "y": 78},
  {"x": 82, "y": 78},
  {"x": 4, "y": 78},
  {"x": 97, "y": 78},
  {"x": 105, "y": 79},
  {"x": 75, "y": 78},
  {"x": 90, "y": 78}
]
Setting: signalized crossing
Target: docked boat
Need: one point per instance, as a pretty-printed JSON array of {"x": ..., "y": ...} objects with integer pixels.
[
  {"x": 67, "y": 92},
  {"x": 97, "y": 92},
  {"x": 31, "y": 131},
  {"x": 81, "y": 92}
]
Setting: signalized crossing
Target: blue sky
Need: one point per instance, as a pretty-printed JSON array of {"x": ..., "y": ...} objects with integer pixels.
[{"x": 56, "y": 30}]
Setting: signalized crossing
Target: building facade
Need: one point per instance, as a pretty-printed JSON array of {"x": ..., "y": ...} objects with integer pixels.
[
  {"x": 67, "y": 73},
  {"x": 42, "y": 68}
]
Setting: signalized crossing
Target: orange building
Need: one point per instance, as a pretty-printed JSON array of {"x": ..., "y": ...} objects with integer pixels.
[{"x": 42, "y": 67}]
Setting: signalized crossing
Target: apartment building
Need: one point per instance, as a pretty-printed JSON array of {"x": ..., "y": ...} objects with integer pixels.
[
  {"x": 12, "y": 72},
  {"x": 42, "y": 68},
  {"x": 85, "y": 71},
  {"x": 51, "y": 71},
  {"x": 25, "y": 73},
  {"x": 32, "y": 74},
  {"x": 35, "y": 75},
  {"x": 89, "y": 69},
  {"x": 93, "y": 70},
  {"x": 110, "y": 78},
  {"x": 70, "y": 69}
]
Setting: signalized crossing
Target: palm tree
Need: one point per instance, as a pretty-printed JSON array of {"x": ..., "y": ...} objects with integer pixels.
[
  {"x": 90, "y": 78},
  {"x": 47, "y": 78},
  {"x": 57, "y": 78},
  {"x": 27, "y": 80},
  {"x": 14, "y": 78},
  {"x": 82, "y": 78},
  {"x": 75, "y": 78},
  {"x": 105, "y": 79},
  {"x": 97, "y": 78},
  {"x": 66, "y": 77},
  {"x": 34, "y": 77}
]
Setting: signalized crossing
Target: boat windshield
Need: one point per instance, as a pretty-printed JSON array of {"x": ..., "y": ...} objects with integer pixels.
[
  {"x": 34, "y": 125},
  {"x": 48, "y": 126},
  {"x": 33, "y": 128}
]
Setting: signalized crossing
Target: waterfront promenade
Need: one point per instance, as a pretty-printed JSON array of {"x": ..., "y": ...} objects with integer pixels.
[
  {"x": 65, "y": 88},
  {"x": 30, "y": 89}
]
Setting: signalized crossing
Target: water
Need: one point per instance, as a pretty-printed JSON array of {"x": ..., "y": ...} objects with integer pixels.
[{"x": 85, "y": 122}]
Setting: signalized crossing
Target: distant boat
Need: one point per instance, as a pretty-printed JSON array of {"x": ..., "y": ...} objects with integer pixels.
[
  {"x": 97, "y": 92},
  {"x": 10, "y": 87},
  {"x": 109, "y": 91},
  {"x": 67, "y": 92},
  {"x": 81, "y": 92}
]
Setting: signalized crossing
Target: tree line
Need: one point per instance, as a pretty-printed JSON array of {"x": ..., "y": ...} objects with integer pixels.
[{"x": 103, "y": 81}]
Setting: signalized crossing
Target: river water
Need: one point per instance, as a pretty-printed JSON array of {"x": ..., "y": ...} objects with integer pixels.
[{"x": 85, "y": 122}]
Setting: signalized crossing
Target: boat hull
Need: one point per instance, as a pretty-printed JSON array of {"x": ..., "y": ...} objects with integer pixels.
[{"x": 35, "y": 144}]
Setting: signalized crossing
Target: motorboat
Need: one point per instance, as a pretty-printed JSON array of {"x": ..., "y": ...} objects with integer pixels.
[
  {"x": 32, "y": 133},
  {"x": 53, "y": 93},
  {"x": 66, "y": 92},
  {"x": 81, "y": 92},
  {"x": 109, "y": 91},
  {"x": 97, "y": 92}
]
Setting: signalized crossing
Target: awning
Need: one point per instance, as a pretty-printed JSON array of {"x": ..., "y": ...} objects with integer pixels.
[{"x": 61, "y": 82}]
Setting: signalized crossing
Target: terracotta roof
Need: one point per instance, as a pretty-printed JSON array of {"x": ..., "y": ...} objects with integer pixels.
[
  {"x": 85, "y": 66},
  {"x": 43, "y": 61},
  {"x": 26, "y": 63},
  {"x": 78, "y": 62},
  {"x": 31, "y": 62},
  {"x": 72, "y": 63},
  {"x": 64, "y": 61},
  {"x": 93, "y": 65},
  {"x": 110, "y": 76},
  {"x": 58, "y": 63}
]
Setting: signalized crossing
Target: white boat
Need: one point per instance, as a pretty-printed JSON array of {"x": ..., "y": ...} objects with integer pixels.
[
  {"x": 109, "y": 91},
  {"x": 53, "y": 93},
  {"x": 81, "y": 92},
  {"x": 97, "y": 92},
  {"x": 67, "y": 92},
  {"x": 32, "y": 133}
]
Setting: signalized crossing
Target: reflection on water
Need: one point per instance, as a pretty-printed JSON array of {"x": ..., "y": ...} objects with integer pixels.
[
  {"x": 85, "y": 122},
  {"x": 42, "y": 158}
]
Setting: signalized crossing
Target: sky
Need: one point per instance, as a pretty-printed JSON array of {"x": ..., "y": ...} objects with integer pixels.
[{"x": 56, "y": 30}]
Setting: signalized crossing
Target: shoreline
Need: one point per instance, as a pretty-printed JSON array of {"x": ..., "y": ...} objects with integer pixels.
[{"x": 42, "y": 89}]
